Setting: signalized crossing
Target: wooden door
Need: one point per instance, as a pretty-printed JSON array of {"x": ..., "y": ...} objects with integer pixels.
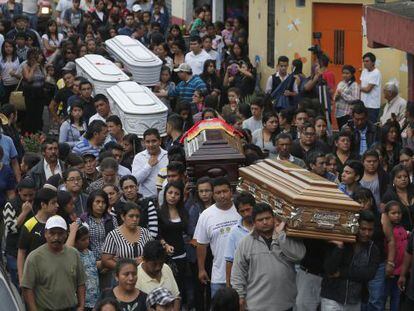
[{"x": 341, "y": 29}]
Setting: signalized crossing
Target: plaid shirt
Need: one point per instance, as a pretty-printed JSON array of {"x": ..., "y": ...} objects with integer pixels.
[{"x": 343, "y": 102}]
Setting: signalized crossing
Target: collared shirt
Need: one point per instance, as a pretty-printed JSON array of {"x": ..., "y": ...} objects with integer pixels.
[
  {"x": 145, "y": 174},
  {"x": 363, "y": 146},
  {"x": 185, "y": 89},
  {"x": 237, "y": 233},
  {"x": 48, "y": 171},
  {"x": 269, "y": 83},
  {"x": 146, "y": 283},
  {"x": 291, "y": 158},
  {"x": 397, "y": 105},
  {"x": 83, "y": 146}
]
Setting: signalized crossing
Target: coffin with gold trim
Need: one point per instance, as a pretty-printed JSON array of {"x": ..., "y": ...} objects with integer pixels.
[
  {"x": 213, "y": 148},
  {"x": 312, "y": 206}
]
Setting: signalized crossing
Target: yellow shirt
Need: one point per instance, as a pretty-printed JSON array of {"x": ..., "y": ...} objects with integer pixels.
[{"x": 146, "y": 284}]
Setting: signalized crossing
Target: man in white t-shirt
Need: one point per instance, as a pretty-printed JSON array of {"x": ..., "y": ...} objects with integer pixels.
[
  {"x": 371, "y": 87},
  {"x": 213, "y": 227},
  {"x": 197, "y": 56},
  {"x": 61, "y": 7}
]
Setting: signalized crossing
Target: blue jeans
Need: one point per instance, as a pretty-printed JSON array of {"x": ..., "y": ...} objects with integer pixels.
[
  {"x": 32, "y": 20},
  {"x": 373, "y": 114},
  {"x": 376, "y": 288},
  {"x": 215, "y": 287},
  {"x": 12, "y": 268},
  {"x": 392, "y": 291}
]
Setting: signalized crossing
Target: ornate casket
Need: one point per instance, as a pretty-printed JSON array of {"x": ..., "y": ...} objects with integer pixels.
[
  {"x": 213, "y": 148},
  {"x": 312, "y": 206}
]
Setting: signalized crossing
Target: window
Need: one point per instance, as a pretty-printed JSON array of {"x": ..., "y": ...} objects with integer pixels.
[
  {"x": 339, "y": 47},
  {"x": 300, "y": 3},
  {"x": 271, "y": 33}
]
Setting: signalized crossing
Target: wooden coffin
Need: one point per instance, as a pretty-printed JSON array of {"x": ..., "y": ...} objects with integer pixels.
[
  {"x": 213, "y": 149},
  {"x": 312, "y": 206}
]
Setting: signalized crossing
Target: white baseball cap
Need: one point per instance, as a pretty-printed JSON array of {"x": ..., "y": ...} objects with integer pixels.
[
  {"x": 56, "y": 222},
  {"x": 136, "y": 8}
]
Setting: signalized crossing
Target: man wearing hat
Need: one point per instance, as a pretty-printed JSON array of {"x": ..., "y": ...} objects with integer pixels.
[
  {"x": 185, "y": 89},
  {"x": 54, "y": 277},
  {"x": 91, "y": 173},
  {"x": 160, "y": 299}
]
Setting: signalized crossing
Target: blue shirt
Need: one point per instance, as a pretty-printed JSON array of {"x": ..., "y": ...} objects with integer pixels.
[
  {"x": 9, "y": 149},
  {"x": 126, "y": 31},
  {"x": 363, "y": 142},
  {"x": 237, "y": 233},
  {"x": 83, "y": 146},
  {"x": 185, "y": 90},
  {"x": 7, "y": 182}
]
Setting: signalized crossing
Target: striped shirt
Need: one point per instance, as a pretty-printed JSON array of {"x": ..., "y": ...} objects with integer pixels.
[
  {"x": 185, "y": 90},
  {"x": 83, "y": 146},
  {"x": 116, "y": 244}
]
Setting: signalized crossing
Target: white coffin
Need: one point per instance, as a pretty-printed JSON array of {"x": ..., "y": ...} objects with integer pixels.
[
  {"x": 101, "y": 72},
  {"x": 144, "y": 65},
  {"x": 138, "y": 108}
]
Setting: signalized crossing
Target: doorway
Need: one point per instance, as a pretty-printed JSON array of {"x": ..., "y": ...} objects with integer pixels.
[{"x": 340, "y": 26}]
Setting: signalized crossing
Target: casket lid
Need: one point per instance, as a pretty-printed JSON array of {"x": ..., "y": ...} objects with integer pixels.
[
  {"x": 101, "y": 69},
  {"x": 214, "y": 144},
  {"x": 133, "y": 98},
  {"x": 296, "y": 185},
  {"x": 131, "y": 50}
]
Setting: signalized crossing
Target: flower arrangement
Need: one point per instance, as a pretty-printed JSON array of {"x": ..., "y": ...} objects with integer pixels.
[{"x": 32, "y": 142}]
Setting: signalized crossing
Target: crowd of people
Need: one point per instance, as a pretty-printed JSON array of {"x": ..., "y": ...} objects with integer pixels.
[{"x": 104, "y": 220}]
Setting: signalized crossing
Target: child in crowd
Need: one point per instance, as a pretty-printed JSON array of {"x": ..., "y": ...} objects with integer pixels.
[
  {"x": 198, "y": 23},
  {"x": 132, "y": 146},
  {"x": 197, "y": 105},
  {"x": 30, "y": 159},
  {"x": 22, "y": 48},
  {"x": 227, "y": 32},
  {"x": 233, "y": 95},
  {"x": 89, "y": 264},
  {"x": 184, "y": 110},
  {"x": 165, "y": 84},
  {"x": 393, "y": 210}
]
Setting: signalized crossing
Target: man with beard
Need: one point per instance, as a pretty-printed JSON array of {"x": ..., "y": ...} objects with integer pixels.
[
  {"x": 244, "y": 203},
  {"x": 49, "y": 166},
  {"x": 149, "y": 162},
  {"x": 283, "y": 147},
  {"x": 153, "y": 272},
  {"x": 54, "y": 277},
  {"x": 263, "y": 271}
]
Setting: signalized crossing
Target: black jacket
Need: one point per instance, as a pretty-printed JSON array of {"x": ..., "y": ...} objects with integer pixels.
[
  {"x": 373, "y": 135},
  {"x": 356, "y": 268},
  {"x": 37, "y": 173}
]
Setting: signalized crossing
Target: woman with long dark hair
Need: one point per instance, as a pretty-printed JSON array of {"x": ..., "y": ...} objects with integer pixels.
[
  {"x": 132, "y": 146},
  {"x": 9, "y": 67},
  {"x": 347, "y": 91},
  {"x": 72, "y": 129},
  {"x": 210, "y": 77},
  {"x": 33, "y": 91},
  {"x": 51, "y": 39},
  {"x": 402, "y": 191},
  {"x": 390, "y": 143},
  {"x": 265, "y": 138},
  {"x": 172, "y": 223}
]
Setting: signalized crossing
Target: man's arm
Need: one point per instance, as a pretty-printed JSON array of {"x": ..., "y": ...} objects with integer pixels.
[
  {"x": 408, "y": 258},
  {"x": 80, "y": 292},
  {"x": 21, "y": 258},
  {"x": 29, "y": 298},
  {"x": 367, "y": 88},
  {"x": 141, "y": 169},
  {"x": 201, "y": 260},
  {"x": 229, "y": 265},
  {"x": 177, "y": 304},
  {"x": 389, "y": 235},
  {"x": 240, "y": 273},
  {"x": 16, "y": 169}
]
